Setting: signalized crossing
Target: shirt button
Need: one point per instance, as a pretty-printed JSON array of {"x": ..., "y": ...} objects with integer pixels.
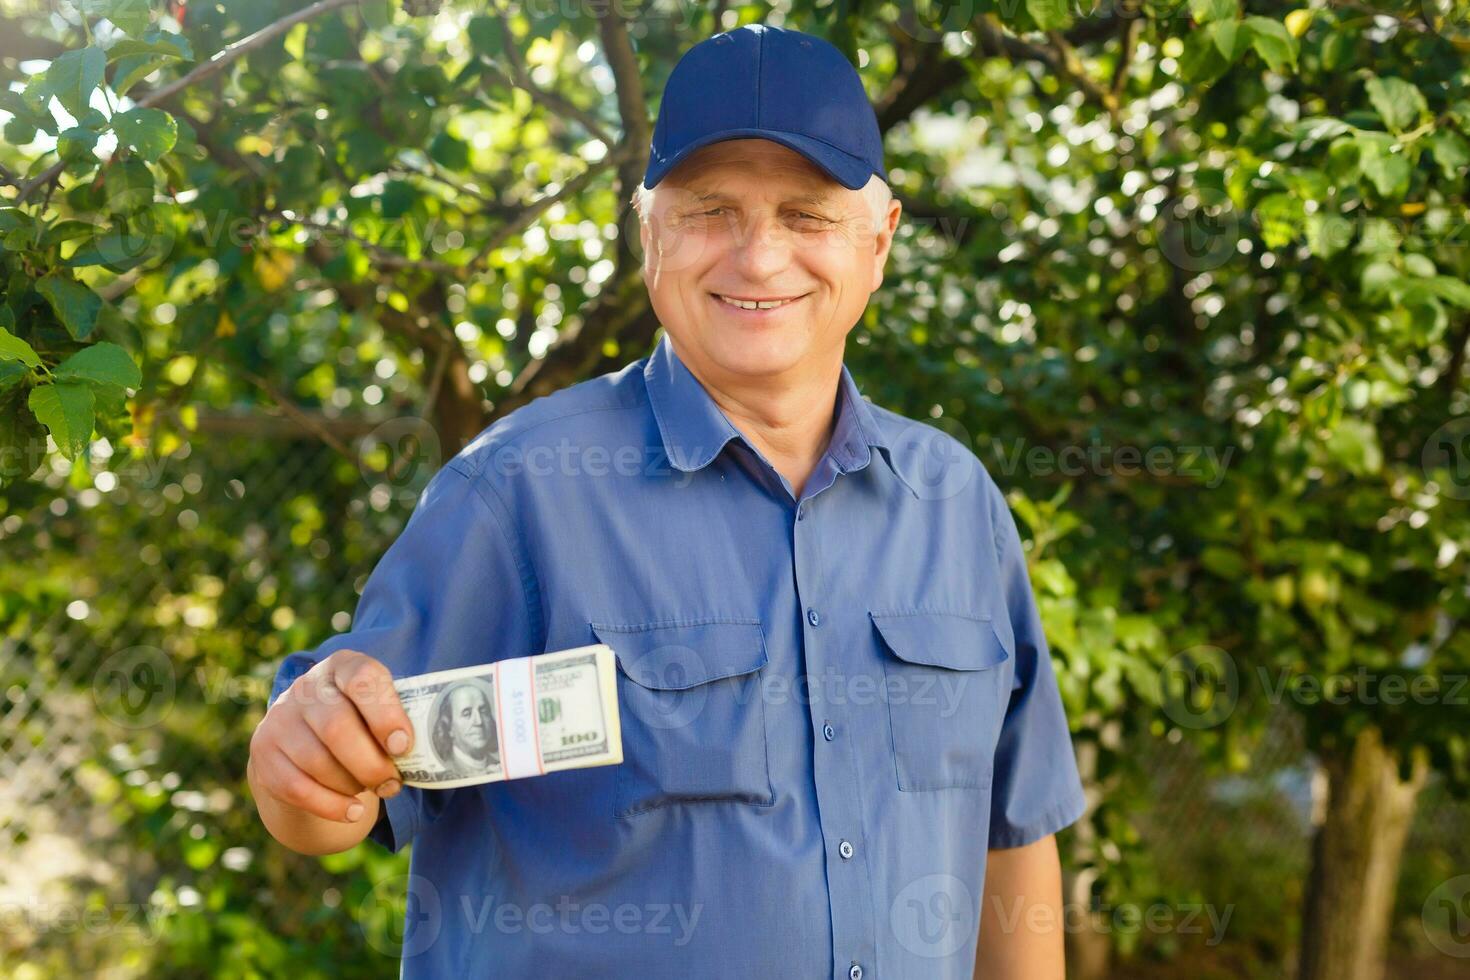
[
  {"x": 828, "y": 732},
  {"x": 813, "y": 618},
  {"x": 845, "y": 849},
  {"x": 801, "y": 513},
  {"x": 856, "y": 973}
]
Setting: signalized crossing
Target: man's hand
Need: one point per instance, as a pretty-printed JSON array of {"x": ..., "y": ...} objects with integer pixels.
[{"x": 319, "y": 760}]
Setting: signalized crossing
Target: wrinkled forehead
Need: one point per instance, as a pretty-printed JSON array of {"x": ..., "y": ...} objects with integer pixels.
[
  {"x": 464, "y": 697},
  {"x": 713, "y": 165}
]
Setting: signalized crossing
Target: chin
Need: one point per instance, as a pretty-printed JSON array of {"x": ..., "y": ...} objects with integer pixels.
[{"x": 754, "y": 352}]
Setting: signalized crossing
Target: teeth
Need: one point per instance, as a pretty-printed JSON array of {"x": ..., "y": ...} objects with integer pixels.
[{"x": 751, "y": 304}]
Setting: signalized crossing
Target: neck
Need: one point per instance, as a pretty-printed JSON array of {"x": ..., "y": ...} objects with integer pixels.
[{"x": 789, "y": 417}]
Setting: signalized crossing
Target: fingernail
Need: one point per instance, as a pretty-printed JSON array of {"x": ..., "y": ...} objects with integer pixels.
[
  {"x": 398, "y": 742},
  {"x": 354, "y": 812},
  {"x": 389, "y": 788}
]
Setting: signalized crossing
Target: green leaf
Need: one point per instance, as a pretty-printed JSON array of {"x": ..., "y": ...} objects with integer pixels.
[
  {"x": 64, "y": 231},
  {"x": 12, "y": 373},
  {"x": 1224, "y": 562},
  {"x": 1450, "y": 151},
  {"x": 449, "y": 152},
  {"x": 1201, "y": 61},
  {"x": 1389, "y": 173},
  {"x": 152, "y": 132},
  {"x": 112, "y": 401},
  {"x": 486, "y": 37},
  {"x": 377, "y": 14},
  {"x": 74, "y": 75},
  {"x": 1050, "y": 15},
  {"x": 1378, "y": 279},
  {"x": 1418, "y": 265},
  {"x": 1451, "y": 290},
  {"x": 65, "y": 408},
  {"x": 1328, "y": 234},
  {"x": 1354, "y": 444},
  {"x": 1318, "y": 128},
  {"x": 12, "y": 348},
  {"x": 1272, "y": 41},
  {"x": 1282, "y": 219},
  {"x": 76, "y": 306},
  {"x": 127, "y": 186},
  {"x": 133, "y": 69},
  {"x": 131, "y": 16},
  {"x": 1228, "y": 38},
  {"x": 103, "y": 363},
  {"x": 1205, "y": 11},
  {"x": 1399, "y": 104},
  {"x": 13, "y": 218},
  {"x": 167, "y": 48}
]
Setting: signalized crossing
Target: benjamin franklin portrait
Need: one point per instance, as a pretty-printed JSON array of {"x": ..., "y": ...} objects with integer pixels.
[{"x": 464, "y": 728}]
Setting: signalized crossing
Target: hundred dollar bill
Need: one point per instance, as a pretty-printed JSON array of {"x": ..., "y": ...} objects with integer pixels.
[{"x": 512, "y": 719}]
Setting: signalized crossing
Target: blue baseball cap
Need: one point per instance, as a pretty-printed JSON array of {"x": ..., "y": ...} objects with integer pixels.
[{"x": 762, "y": 82}]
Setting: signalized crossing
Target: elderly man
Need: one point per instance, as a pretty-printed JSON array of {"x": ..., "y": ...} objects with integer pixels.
[{"x": 843, "y": 737}]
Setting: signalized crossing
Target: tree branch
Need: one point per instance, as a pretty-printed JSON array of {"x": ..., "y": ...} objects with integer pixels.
[
  {"x": 622, "y": 313},
  {"x": 1059, "y": 56},
  {"x": 554, "y": 102},
  {"x": 222, "y": 59}
]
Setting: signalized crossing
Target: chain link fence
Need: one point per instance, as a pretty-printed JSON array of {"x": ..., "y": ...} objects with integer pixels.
[{"x": 144, "y": 606}]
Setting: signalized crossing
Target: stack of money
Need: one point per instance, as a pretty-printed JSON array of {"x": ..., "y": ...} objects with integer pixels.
[{"x": 512, "y": 719}]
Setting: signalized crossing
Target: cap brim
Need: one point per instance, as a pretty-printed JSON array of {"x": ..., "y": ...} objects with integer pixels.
[{"x": 849, "y": 171}]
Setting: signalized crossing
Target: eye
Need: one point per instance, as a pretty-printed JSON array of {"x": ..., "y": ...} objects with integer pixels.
[{"x": 806, "y": 221}]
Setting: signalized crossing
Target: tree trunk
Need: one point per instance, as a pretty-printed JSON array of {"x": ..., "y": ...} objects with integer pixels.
[
  {"x": 459, "y": 407},
  {"x": 1356, "y": 852}
]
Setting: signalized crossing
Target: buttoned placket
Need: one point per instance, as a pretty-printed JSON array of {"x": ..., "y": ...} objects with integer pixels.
[{"x": 835, "y": 768}]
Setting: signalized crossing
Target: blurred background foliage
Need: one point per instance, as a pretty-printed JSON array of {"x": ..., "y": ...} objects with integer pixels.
[{"x": 1189, "y": 277}]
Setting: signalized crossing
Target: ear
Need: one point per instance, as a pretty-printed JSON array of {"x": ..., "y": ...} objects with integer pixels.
[{"x": 883, "y": 240}]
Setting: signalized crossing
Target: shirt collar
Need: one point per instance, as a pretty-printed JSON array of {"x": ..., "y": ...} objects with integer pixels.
[{"x": 695, "y": 430}]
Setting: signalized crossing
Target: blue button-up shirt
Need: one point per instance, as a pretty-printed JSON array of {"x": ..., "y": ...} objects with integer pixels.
[{"x": 832, "y": 706}]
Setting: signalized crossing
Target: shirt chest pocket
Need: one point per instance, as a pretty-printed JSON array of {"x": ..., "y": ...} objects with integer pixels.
[
  {"x": 947, "y": 683},
  {"x": 693, "y": 718}
]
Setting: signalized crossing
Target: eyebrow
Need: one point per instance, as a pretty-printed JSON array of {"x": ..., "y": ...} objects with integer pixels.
[{"x": 812, "y": 198}]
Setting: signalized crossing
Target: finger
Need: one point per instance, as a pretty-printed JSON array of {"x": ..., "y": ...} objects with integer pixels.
[
  {"x": 346, "y": 736},
  {"x": 368, "y": 683},
  {"x": 311, "y": 756},
  {"x": 284, "y": 780}
]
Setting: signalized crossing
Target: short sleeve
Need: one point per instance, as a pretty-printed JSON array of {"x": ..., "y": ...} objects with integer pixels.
[
  {"x": 1036, "y": 788},
  {"x": 451, "y": 590}
]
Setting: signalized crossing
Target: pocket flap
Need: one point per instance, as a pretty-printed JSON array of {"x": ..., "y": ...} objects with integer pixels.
[
  {"x": 676, "y": 657},
  {"x": 943, "y": 639}
]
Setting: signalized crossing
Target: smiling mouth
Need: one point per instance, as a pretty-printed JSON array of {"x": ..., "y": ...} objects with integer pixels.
[{"x": 773, "y": 303}]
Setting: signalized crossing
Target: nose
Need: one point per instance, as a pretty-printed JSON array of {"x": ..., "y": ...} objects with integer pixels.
[{"x": 763, "y": 247}]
